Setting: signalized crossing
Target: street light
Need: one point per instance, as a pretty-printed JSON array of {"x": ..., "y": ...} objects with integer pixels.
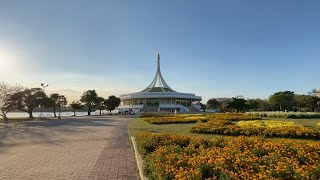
[{"x": 43, "y": 88}]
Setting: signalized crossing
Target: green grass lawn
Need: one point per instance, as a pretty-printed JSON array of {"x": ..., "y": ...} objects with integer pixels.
[{"x": 139, "y": 124}]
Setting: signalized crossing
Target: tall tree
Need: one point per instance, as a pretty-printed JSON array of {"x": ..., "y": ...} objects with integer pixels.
[
  {"x": 90, "y": 98},
  {"x": 203, "y": 107},
  {"x": 112, "y": 102},
  {"x": 252, "y": 104},
  {"x": 6, "y": 103},
  {"x": 29, "y": 99},
  {"x": 224, "y": 103},
  {"x": 263, "y": 105},
  {"x": 213, "y": 103},
  {"x": 238, "y": 103},
  {"x": 282, "y": 100},
  {"x": 56, "y": 100},
  {"x": 100, "y": 104},
  {"x": 307, "y": 102},
  {"x": 75, "y": 106}
]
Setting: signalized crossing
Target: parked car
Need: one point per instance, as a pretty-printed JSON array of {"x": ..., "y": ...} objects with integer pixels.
[{"x": 126, "y": 112}]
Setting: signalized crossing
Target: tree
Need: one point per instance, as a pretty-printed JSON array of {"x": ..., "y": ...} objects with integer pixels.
[
  {"x": 224, "y": 103},
  {"x": 283, "y": 100},
  {"x": 90, "y": 98},
  {"x": 238, "y": 103},
  {"x": 101, "y": 104},
  {"x": 307, "y": 102},
  {"x": 263, "y": 105},
  {"x": 112, "y": 102},
  {"x": 75, "y": 106},
  {"x": 56, "y": 100},
  {"x": 252, "y": 104},
  {"x": 6, "y": 103},
  {"x": 29, "y": 99},
  {"x": 203, "y": 107},
  {"x": 213, "y": 103}
]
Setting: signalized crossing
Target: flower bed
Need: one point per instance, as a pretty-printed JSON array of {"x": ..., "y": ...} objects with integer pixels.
[
  {"x": 192, "y": 118},
  {"x": 254, "y": 128},
  {"x": 293, "y": 115},
  {"x": 267, "y": 123},
  {"x": 175, "y": 119},
  {"x": 183, "y": 157},
  {"x": 234, "y": 117}
]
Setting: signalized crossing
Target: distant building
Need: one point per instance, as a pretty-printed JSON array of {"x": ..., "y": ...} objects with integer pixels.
[{"x": 159, "y": 97}]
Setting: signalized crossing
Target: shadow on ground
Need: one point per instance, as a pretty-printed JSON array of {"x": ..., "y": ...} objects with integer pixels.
[{"x": 54, "y": 131}]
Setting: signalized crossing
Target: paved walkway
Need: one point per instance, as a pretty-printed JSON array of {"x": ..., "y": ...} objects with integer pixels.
[{"x": 75, "y": 148}]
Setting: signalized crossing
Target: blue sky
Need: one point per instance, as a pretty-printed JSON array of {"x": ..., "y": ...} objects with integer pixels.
[{"x": 212, "y": 48}]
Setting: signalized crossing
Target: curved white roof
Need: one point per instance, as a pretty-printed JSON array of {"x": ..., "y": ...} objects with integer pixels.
[
  {"x": 162, "y": 91},
  {"x": 143, "y": 95}
]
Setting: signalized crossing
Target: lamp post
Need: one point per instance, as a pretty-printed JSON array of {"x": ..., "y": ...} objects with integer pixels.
[{"x": 43, "y": 88}]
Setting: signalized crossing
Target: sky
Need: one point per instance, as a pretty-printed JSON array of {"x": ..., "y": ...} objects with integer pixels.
[{"x": 213, "y": 48}]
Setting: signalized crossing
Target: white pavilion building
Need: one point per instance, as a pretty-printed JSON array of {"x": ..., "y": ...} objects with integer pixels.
[{"x": 159, "y": 97}]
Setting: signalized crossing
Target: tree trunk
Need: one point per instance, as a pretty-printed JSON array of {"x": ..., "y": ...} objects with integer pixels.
[
  {"x": 54, "y": 111},
  {"x": 100, "y": 112},
  {"x": 6, "y": 120},
  {"x": 30, "y": 114},
  {"x": 74, "y": 112},
  {"x": 4, "y": 115},
  {"x": 89, "y": 111}
]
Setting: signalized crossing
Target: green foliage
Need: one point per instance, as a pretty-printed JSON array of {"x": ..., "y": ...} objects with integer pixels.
[
  {"x": 56, "y": 100},
  {"x": 238, "y": 103},
  {"x": 29, "y": 99},
  {"x": 6, "y": 102},
  {"x": 283, "y": 100},
  {"x": 100, "y": 104},
  {"x": 307, "y": 102},
  {"x": 76, "y": 106},
  {"x": 213, "y": 104},
  {"x": 90, "y": 98},
  {"x": 112, "y": 102}
]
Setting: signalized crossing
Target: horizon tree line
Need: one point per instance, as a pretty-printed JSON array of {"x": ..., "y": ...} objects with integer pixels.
[
  {"x": 279, "y": 101},
  {"x": 16, "y": 97}
]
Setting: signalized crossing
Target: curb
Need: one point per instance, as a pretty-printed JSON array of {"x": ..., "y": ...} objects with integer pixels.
[{"x": 138, "y": 159}]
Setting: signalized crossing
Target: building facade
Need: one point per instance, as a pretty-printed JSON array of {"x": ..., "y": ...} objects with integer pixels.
[{"x": 159, "y": 97}]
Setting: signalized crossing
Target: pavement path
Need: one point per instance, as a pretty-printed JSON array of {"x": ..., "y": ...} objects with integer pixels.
[{"x": 73, "y": 148}]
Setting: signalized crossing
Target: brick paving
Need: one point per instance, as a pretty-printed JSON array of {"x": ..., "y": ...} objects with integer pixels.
[{"x": 74, "y": 148}]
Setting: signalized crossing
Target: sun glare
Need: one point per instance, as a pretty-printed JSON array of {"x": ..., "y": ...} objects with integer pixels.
[{"x": 6, "y": 61}]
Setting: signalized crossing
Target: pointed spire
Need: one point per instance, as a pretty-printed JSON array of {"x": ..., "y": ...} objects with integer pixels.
[{"x": 163, "y": 86}]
